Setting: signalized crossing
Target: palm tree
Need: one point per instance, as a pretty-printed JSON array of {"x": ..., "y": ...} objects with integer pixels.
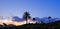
[{"x": 26, "y": 16}]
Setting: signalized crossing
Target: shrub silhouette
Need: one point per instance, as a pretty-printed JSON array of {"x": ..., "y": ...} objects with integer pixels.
[
  {"x": 4, "y": 24},
  {"x": 34, "y": 19},
  {"x": 49, "y": 17}
]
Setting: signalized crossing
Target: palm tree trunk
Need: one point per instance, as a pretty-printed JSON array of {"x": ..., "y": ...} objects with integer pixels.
[{"x": 26, "y": 20}]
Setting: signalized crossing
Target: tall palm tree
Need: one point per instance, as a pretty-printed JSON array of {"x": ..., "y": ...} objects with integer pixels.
[{"x": 26, "y": 16}]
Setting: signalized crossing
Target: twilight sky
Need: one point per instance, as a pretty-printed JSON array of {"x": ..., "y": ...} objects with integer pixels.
[{"x": 37, "y": 8}]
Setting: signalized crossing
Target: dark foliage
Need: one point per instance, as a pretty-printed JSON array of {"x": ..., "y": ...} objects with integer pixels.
[
  {"x": 4, "y": 24},
  {"x": 33, "y": 19},
  {"x": 49, "y": 17},
  {"x": 26, "y": 16}
]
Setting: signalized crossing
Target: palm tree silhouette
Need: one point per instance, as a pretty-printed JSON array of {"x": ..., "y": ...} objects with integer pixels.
[{"x": 26, "y": 16}]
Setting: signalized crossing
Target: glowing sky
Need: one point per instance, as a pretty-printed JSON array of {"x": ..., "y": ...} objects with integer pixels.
[
  {"x": 7, "y": 21},
  {"x": 37, "y": 8}
]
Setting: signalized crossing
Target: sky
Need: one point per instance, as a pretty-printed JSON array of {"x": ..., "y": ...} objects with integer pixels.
[{"x": 37, "y": 8}]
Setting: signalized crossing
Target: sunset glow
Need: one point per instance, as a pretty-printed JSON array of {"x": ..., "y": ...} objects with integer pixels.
[{"x": 15, "y": 23}]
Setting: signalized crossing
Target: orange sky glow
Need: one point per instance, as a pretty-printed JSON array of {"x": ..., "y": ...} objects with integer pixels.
[{"x": 16, "y": 23}]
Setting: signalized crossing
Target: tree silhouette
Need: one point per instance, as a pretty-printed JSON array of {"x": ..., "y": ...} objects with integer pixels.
[
  {"x": 26, "y": 16},
  {"x": 49, "y": 17},
  {"x": 33, "y": 19}
]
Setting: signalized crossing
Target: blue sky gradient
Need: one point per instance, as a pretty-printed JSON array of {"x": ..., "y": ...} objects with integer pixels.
[{"x": 37, "y": 8}]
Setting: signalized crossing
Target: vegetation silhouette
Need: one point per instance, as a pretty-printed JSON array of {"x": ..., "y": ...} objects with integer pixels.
[
  {"x": 34, "y": 19},
  {"x": 4, "y": 24},
  {"x": 26, "y": 16},
  {"x": 49, "y": 17}
]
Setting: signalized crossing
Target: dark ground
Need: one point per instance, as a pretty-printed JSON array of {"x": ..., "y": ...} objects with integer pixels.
[{"x": 53, "y": 25}]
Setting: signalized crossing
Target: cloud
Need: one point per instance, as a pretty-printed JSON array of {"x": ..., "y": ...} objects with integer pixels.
[{"x": 16, "y": 18}]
